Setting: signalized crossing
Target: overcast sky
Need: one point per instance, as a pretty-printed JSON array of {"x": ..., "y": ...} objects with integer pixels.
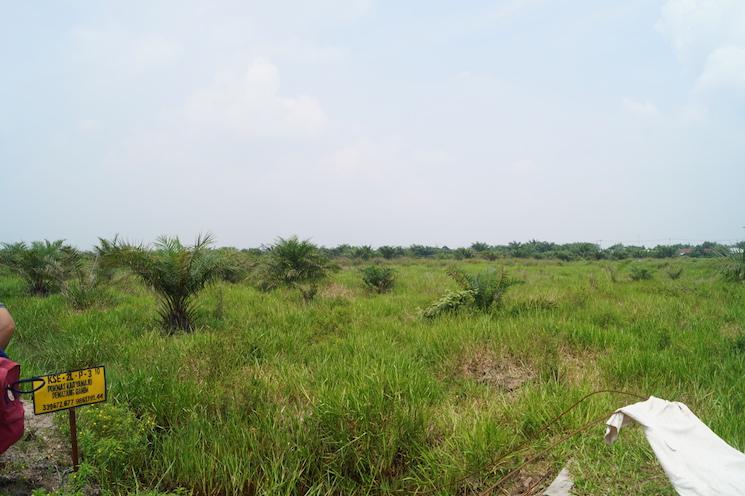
[{"x": 372, "y": 121}]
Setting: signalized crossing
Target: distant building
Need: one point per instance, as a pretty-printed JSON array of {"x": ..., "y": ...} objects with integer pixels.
[{"x": 683, "y": 252}]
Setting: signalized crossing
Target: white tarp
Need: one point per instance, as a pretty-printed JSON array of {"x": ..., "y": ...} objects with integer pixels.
[{"x": 697, "y": 461}]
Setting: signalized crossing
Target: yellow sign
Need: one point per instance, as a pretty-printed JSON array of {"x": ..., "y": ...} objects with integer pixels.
[{"x": 69, "y": 390}]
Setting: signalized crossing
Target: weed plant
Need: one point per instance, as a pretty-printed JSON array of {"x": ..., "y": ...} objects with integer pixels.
[{"x": 378, "y": 278}]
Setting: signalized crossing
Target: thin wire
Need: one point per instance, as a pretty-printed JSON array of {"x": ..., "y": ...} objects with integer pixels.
[{"x": 493, "y": 464}]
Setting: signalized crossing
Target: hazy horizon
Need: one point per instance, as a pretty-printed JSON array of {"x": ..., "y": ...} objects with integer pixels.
[{"x": 373, "y": 123}]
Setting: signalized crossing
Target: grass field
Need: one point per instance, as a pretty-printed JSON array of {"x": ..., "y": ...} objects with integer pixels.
[{"x": 355, "y": 393}]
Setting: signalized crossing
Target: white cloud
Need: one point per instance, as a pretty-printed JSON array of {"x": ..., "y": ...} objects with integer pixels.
[
  {"x": 645, "y": 110},
  {"x": 724, "y": 69},
  {"x": 251, "y": 105},
  {"x": 708, "y": 37},
  {"x": 695, "y": 28}
]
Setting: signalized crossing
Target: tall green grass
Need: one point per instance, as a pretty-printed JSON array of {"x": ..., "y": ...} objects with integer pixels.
[{"x": 354, "y": 394}]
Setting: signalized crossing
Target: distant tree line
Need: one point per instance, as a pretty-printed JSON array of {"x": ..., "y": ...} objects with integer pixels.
[{"x": 533, "y": 249}]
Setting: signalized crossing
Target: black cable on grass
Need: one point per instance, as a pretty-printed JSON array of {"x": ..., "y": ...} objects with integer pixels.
[{"x": 521, "y": 447}]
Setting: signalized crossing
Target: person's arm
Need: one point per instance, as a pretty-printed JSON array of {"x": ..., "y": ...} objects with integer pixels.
[{"x": 7, "y": 326}]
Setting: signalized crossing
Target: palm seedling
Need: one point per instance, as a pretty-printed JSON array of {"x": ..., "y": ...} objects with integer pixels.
[
  {"x": 733, "y": 265},
  {"x": 43, "y": 264},
  {"x": 378, "y": 278},
  {"x": 176, "y": 273},
  {"x": 483, "y": 291},
  {"x": 294, "y": 263}
]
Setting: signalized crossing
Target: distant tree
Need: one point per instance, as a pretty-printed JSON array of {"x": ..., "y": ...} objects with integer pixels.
[
  {"x": 461, "y": 253},
  {"x": 343, "y": 250},
  {"x": 518, "y": 250},
  {"x": 664, "y": 251},
  {"x": 420, "y": 251},
  {"x": 479, "y": 247},
  {"x": 390, "y": 252},
  {"x": 364, "y": 252}
]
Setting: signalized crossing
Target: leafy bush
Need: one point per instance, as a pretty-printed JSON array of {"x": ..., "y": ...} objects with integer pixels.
[
  {"x": 43, "y": 264},
  {"x": 389, "y": 252},
  {"x": 483, "y": 291},
  {"x": 674, "y": 272},
  {"x": 295, "y": 264},
  {"x": 733, "y": 267},
  {"x": 490, "y": 255},
  {"x": 378, "y": 278},
  {"x": 364, "y": 252},
  {"x": 479, "y": 247},
  {"x": 640, "y": 273},
  {"x": 487, "y": 286},
  {"x": 114, "y": 441},
  {"x": 461, "y": 253},
  {"x": 236, "y": 264},
  {"x": 176, "y": 273},
  {"x": 449, "y": 302}
]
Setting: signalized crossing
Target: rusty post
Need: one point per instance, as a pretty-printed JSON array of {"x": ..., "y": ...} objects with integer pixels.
[{"x": 74, "y": 439}]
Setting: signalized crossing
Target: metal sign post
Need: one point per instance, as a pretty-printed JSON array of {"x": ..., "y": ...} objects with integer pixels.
[
  {"x": 67, "y": 391},
  {"x": 74, "y": 440}
]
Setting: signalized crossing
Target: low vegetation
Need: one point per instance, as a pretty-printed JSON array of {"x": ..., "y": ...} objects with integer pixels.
[
  {"x": 378, "y": 278},
  {"x": 483, "y": 291},
  {"x": 294, "y": 263},
  {"x": 176, "y": 273},
  {"x": 733, "y": 267},
  {"x": 674, "y": 273},
  {"x": 43, "y": 265},
  {"x": 638, "y": 273},
  {"x": 356, "y": 395}
]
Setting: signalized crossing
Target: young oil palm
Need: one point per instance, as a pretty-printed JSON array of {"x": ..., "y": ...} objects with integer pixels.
[
  {"x": 296, "y": 264},
  {"x": 44, "y": 265},
  {"x": 176, "y": 273}
]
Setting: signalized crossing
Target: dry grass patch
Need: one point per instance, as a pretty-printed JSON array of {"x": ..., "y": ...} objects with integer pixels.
[
  {"x": 580, "y": 368},
  {"x": 337, "y": 291},
  {"x": 731, "y": 330},
  {"x": 505, "y": 373}
]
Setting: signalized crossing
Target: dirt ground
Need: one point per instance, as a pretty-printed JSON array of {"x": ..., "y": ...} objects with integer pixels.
[{"x": 40, "y": 460}]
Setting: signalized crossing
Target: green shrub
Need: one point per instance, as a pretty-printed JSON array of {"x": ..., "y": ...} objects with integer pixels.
[
  {"x": 389, "y": 252},
  {"x": 295, "y": 264},
  {"x": 461, "y": 253},
  {"x": 675, "y": 272},
  {"x": 733, "y": 267},
  {"x": 378, "y": 278},
  {"x": 43, "y": 265},
  {"x": 449, "y": 302},
  {"x": 176, "y": 273},
  {"x": 490, "y": 255},
  {"x": 487, "y": 286},
  {"x": 236, "y": 264},
  {"x": 87, "y": 286},
  {"x": 114, "y": 441},
  {"x": 483, "y": 291},
  {"x": 640, "y": 273},
  {"x": 364, "y": 252}
]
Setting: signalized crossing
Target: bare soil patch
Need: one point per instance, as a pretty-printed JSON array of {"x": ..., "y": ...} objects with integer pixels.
[
  {"x": 504, "y": 373},
  {"x": 40, "y": 460}
]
